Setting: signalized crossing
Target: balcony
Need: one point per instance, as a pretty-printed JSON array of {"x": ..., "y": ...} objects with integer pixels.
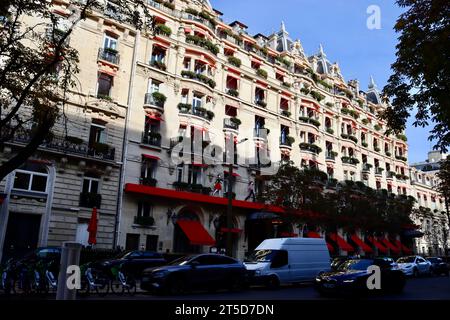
[
  {"x": 366, "y": 167},
  {"x": 310, "y": 120},
  {"x": 261, "y": 103},
  {"x": 349, "y": 160},
  {"x": 151, "y": 139},
  {"x": 155, "y": 99},
  {"x": 197, "y": 111},
  {"x": 110, "y": 55},
  {"x": 231, "y": 123},
  {"x": 144, "y": 221},
  {"x": 379, "y": 171},
  {"x": 261, "y": 133},
  {"x": 150, "y": 182},
  {"x": 195, "y": 188},
  {"x": 401, "y": 158},
  {"x": 232, "y": 92},
  {"x": 330, "y": 155},
  {"x": 311, "y": 147},
  {"x": 390, "y": 175},
  {"x": 70, "y": 145},
  {"x": 349, "y": 137},
  {"x": 90, "y": 200},
  {"x": 286, "y": 142}
]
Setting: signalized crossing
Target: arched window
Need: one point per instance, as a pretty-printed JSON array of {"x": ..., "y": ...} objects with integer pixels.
[{"x": 31, "y": 177}]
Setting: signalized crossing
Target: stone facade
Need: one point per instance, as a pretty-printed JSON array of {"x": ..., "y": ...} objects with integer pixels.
[{"x": 199, "y": 75}]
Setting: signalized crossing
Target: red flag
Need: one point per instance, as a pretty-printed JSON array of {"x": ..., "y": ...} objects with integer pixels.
[{"x": 92, "y": 228}]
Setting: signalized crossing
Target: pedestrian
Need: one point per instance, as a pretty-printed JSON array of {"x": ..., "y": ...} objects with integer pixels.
[
  {"x": 251, "y": 191},
  {"x": 217, "y": 186}
]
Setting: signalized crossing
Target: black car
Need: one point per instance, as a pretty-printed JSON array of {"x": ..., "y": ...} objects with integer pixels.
[
  {"x": 133, "y": 262},
  {"x": 438, "y": 266},
  {"x": 203, "y": 271},
  {"x": 351, "y": 277}
]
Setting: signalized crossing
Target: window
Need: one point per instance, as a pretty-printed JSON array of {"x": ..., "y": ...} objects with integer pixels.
[
  {"x": 32, "y": 177},
  {"x": 90, "y": 185},
  {"x": 153, "y": 86},
  {"x": 104, "y": 85},
  {"x": 158, "y": 54},
  {"x": 230, "y": 111},
  {"x": 197, "y": 101},
  {"x": 144, "y": 209},
  {"x": 256, "y": 65},
  {"x": 148, "y": 169},
  {"x": 195, "y": 175},
  {"x": 97, "y": 132},
  {"x": 187, "y": 63},
  {"x": 109, "y": 42},
  {"x": 280, "y": 259},
  {"x": 180, "y": 168}
]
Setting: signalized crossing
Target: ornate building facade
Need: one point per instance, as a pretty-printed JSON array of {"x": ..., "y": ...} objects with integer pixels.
[{"x": 197, "y": 76}]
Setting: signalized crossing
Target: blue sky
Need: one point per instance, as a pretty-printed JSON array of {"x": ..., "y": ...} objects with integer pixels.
[{"x": 340, "y": 26}]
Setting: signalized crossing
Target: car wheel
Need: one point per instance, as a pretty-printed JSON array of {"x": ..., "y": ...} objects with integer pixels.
[
  {"x": 273, "y": 283},
  {"x": 235, "y": 284},
  {"x": 415, "y": 273},
  {"x": 176, "y": 286}
]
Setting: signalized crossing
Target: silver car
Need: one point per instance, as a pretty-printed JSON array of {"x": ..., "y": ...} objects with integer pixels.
[{"x": 414, "y": 265}]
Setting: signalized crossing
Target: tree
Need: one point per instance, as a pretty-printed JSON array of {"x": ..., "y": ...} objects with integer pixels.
[
  {"x": 421, "y": 73},
  {"x": 443, "y": 186},
  {"x": 352, "y": 205},
  {"x": 38, "y": 67}
]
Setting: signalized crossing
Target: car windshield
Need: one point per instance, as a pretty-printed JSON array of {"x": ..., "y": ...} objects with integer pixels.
[
  {"x": 262, "y": 256},
  {"x": 181, "y": 261},
  {"x": 406, "y": 260},
  {"x": 434, "y": 260},
  {"x": 355, "y": 265}
]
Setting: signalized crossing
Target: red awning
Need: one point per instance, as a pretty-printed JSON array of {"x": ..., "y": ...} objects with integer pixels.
[
  {"x": 147, "y": 156},
  {"x": 379, "y": 246},
  {"x": 312, "y": 234},
  {"x": 234, "y": 230},
  {"x": 196, "y": 233},
  {"x": 234, "y": 174},
  {"x": 388, "y": 244},
  {"x": 199, "y": 165},
  {"x": 288, "y": 235},
  {"x": 404, "y": 248},
  {"x": 330, "y": 247},
  {"x": 361, "y": 244},
  {"x": 153, "y": 117},
  {"x": 341, "y": 242}
]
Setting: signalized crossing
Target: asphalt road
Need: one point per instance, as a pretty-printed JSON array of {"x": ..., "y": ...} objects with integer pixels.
[{"x": 431, "y": 288}]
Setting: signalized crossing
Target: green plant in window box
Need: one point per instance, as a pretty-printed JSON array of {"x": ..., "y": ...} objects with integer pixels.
[
  {"x": 330, "y": 130},
  {"x": 365, "y": 121},
  {"x": 169, "y": 5},
  {"x": 110, "y": 50},
  {"x": 159, "y": 97},
  {"x": 388, "y": 153},
  {"x": 104, "y": 97},
  {"x": 191, "y": 11},
  {"x": 233, "y": 92},
  {"x": 377, "y": 127},
  {"x": 210, "y": 114},
  {"x": 286, "y": 113},
  {"x": 236, "y": 121},
  {"x": 163, "y": 29},
  {"x": 235, "y": 61},
  {"x": 186, "y": 107},
  {"x": 262, "y": 73},
  {"x": 329, "y": 104},
  {"x": 151, "y": 182},
  {"x": 365, "y": 144}
]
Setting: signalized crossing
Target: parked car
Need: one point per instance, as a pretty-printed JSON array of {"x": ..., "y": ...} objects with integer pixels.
[
  {"x": 351, "y": 278},
  {"x": 288, "y": 260},
  {"x": 134, "y": 262},
  {"x": 438, "y": 266},
  {"x": 414, "y": 265},
  {"x": 203, "y": 271},
  {"x": 336, "y": 262}
]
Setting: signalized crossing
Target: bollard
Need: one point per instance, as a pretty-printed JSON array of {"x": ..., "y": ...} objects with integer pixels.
[{"x": 70, "y": 255}]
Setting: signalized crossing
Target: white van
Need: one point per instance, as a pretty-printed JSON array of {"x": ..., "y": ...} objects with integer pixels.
[{"x": 288, "y": 260}]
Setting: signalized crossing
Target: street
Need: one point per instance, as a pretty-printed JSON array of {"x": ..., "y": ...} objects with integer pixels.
[{"x": 434, "y": 288}]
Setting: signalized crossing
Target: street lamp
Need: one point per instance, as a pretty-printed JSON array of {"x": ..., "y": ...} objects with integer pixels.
[{"x": 229, "y": 248}]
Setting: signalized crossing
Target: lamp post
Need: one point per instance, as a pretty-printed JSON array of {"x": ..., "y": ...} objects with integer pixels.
[{"x": 229, "y": 248}]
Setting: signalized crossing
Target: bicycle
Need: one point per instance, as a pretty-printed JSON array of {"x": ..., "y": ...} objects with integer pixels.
[
  {"x": 122, "y": 281},
  {"x": 7, "y": 278},
  {"x": 94, "y": 280}
]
